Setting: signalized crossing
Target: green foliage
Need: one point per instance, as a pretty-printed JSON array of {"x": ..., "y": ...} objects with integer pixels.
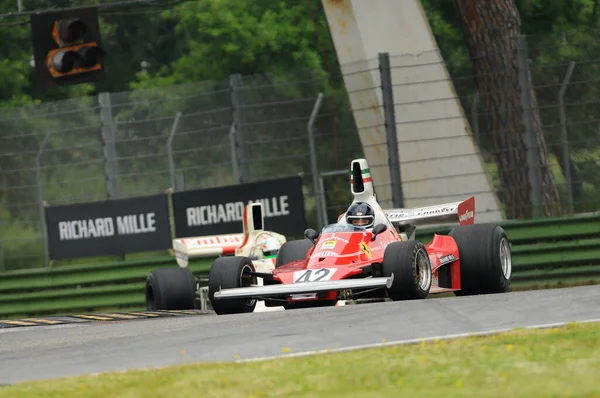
[
  {"x": 180, "y": 60},
  {"x": 230, "y": 36}
]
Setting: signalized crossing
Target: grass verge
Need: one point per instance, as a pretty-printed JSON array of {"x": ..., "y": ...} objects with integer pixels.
[{"x": 558, "y": 362}]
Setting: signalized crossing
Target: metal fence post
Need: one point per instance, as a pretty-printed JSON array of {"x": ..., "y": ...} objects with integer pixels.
[
  {"x": 234, "y": 156},
  {"x": 313, "y": 159},
  {"x": 530, "y": 139},
  {"x": 563, "y": 134},
  {"x": 387, "y": 91},
  {"x": 237, "y": 101},
  {"x": 323, "y": 201},
  {"x": 170, "y": 150},
  {"x": 40, "y": 195},
  {"x": 110, "y": 152},
  {"x": 179, "y": 182}
]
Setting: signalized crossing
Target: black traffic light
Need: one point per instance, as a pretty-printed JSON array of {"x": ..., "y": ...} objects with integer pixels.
[{"x": 66, "y": 47}]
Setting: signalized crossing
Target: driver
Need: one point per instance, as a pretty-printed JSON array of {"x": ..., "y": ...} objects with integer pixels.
[
  {"x": 269, "y": 244},
  {"x": 360, "y": 214}
]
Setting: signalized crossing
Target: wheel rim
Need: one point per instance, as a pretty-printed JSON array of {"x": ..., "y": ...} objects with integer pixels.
[
  {"x": 422, "y": 270},
  {"x": 246, "y": 280},
  {"x": 505, "y": 258}
]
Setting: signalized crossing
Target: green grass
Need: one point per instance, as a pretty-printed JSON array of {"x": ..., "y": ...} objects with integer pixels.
[{"x": 558, "y": 362}]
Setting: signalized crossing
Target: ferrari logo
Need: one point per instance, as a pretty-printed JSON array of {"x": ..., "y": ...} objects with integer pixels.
[{"x": 365, "y": 248}]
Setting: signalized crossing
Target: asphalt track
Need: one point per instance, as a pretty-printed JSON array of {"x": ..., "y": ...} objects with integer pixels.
[{"x": 32, "y": 353}]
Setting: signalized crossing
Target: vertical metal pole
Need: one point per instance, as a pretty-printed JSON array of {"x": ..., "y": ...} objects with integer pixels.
[
  {"x": 313, "y": 158},
  {"x": 530, "y": 138},
  {"x": 179, "y": 182},
  {"x": 390, "y": 128},
  {"x": 475, "y": 118},
  {"x": 234, "y": 156},
  {"x": 563, "y": 134},
  {"x": 110, "y": 152},
  {"x": 40, "y": 195},
  {"x": 20, "y": 5},
  {"x": 237, "y": 100},
  {"x": 170, "y": 150},
  {"x": 323, "y": 200}
]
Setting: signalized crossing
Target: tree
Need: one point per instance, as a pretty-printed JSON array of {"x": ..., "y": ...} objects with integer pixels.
[
  {"x": 232, "y": 36},
  {"x": 491, "y": 30}
]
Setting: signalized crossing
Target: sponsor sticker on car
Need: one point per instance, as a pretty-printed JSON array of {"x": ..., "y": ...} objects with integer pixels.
[
  {"x": 328, "y": 245},
  {"x": 447, "y": 259},
  {"x": 325, "y": 253}
]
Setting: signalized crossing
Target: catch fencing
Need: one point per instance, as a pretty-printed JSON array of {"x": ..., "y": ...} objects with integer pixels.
[{"x": 249, "y": 128}]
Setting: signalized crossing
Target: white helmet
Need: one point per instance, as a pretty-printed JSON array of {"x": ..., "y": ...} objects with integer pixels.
[{"x": 269, "y": 244}]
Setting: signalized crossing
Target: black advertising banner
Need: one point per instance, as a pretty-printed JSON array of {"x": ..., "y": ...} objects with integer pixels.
[
  {"x": 112, "y": 227},
  {"x": 218, "y": 211}
]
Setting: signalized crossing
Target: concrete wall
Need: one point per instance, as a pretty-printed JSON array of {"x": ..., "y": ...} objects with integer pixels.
[{"x": 439, "y": 158}]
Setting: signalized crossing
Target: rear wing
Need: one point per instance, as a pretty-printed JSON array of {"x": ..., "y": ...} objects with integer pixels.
[
  {"x": 205, "y": 247},
  {"x": 219, "y": 245},
  {"x": 462, "y": 212}
]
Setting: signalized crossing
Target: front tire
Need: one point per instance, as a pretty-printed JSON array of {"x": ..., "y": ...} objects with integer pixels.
[
  {"x": 229, "y": 273},
  {"x": 409, "y": 262},
  {"x": 170, "y": 289},
  {"x": 485, "y": 259},
  {"x": 293, "y": 250}
]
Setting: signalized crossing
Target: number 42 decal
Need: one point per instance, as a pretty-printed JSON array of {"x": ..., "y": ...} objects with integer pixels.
[{"x": 313, "y": 275}]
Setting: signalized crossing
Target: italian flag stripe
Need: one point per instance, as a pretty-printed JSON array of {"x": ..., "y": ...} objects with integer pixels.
[
  {"x": 363, "y": 171},
  {"x": 365, "y": 179}
]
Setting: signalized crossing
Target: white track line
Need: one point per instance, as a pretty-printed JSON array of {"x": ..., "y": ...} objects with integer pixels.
[
  {"x": 38, "y": 327},
  {"x": 412, "y": 341}
]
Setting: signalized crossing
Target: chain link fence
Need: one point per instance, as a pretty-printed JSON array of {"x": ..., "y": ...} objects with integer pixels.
[
  {"x": 127, "y": 144},
  {"x": 248, "y": 128}
]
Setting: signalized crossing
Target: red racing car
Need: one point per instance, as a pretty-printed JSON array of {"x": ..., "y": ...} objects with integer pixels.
[{"x": 370, "y": 253}]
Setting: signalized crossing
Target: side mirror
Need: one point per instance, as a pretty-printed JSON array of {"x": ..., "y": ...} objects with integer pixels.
[
  {"x": 311, "y": 234},
  {"x": 377, "y": 229}
]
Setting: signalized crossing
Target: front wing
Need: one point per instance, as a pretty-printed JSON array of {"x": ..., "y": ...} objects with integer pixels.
[{"x": 302, "y": 288}]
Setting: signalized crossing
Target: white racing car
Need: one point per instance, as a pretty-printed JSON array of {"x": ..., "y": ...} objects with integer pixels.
[{"x": 176, "y": 288}]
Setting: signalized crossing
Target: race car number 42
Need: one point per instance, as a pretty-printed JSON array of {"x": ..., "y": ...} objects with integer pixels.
[{"x": 314, "y": 275}]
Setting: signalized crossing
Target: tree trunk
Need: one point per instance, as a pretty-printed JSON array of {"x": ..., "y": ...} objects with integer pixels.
[{"x": 491, "y": 30}]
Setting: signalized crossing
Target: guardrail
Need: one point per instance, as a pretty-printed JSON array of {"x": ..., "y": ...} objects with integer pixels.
[
  {"x": 93, "y": 287},
  {"x": 546, "y": 253}
]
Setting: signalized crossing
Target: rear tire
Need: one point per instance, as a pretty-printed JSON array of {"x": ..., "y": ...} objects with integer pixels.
[
  {"x": 485, "y": 259},
  {"x": 293, "y": 250},
  {"x": 229, "y": 273},
  {"x": 409, "y": 262},
  {"x": 170, "y": 289}
]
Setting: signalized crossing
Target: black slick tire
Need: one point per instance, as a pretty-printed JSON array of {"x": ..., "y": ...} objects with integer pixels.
[
  {"x": 170, "y": 289},
  {"x": 409, "y": 263},
  {"x": 485, "y": 259},
  {"x": 229, "y": 273},
  {"x": 293, "y": 250}
]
